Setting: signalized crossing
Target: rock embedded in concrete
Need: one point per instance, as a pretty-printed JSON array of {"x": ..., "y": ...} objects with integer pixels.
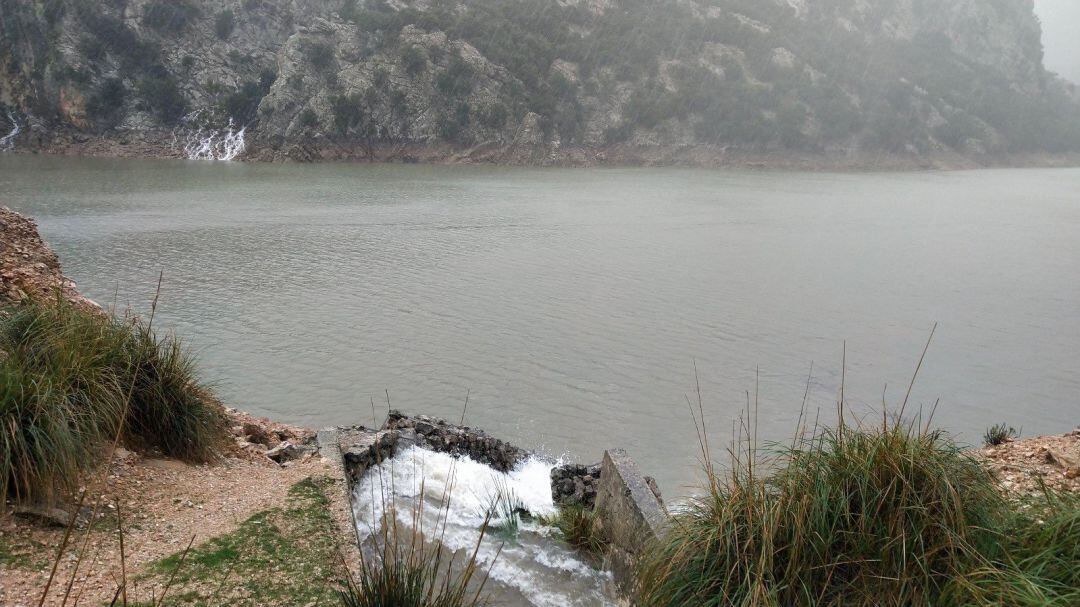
[
  {"x": 362, "y": 448},
  {"x": 575, "y": 485},
  {"x": 439, "y": 435}
]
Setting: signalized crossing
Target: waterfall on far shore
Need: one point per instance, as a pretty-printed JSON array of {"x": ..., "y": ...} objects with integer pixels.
[
  {"x": 209, "y": 143},
  {"x": 7, "y": 142}
]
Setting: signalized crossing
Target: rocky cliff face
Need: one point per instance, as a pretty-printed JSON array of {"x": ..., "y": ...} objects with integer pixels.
[{"x": 528, "y": 80}]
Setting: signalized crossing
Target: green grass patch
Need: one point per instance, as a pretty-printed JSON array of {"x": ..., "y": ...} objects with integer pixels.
[
  {"x": 885, "y": 516},
  {"x": 282, "y": 556},
  {"x": 69, "y": 378},
  {"x": 580, "y": 528},
  {"x": 22, "y": 555}
]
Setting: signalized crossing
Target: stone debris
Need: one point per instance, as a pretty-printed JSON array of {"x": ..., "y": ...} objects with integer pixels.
[
  {"x": 28, "y": 267},
  {"x": 1025, "y": 466},
  {"x": 256, "y": 433}
]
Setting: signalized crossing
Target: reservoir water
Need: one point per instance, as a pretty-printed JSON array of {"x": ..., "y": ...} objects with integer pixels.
[{"x": 573, "y": 305}]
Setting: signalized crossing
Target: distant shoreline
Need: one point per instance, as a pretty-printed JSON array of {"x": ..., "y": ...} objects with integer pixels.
[{"x": 162, "y": 144}]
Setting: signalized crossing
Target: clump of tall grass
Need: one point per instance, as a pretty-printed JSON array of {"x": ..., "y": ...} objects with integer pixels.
[
  {"x": 888, "y": 515},
  {"x": 412, "y": 574},
  {"x": 404, "y": 566},
  {"x": 72, "y": 379},
  {"x": 507, "y": 511}
]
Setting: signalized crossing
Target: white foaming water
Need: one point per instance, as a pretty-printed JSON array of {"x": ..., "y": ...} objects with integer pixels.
[
  {"x": 7, "y": 142},
  {"x": 212, "y": 144},
  {"x": 534, "y": 569}
]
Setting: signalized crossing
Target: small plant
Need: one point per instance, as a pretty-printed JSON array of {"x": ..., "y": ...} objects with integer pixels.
[
  {"x": 999, "y": 434},
  {"x": 172, "y": 16},
  {"x": 243, "y": 104},
  {"x": 1044, "y": 543},
  {"x": 309, "y": 119},
  {"x": 320, "y": 55},
  {"x": 348, "y": 113},
  {"x": 162, "y": 96},
  {"x": 106, "y": 103},
  {"x": 505, "y": 512},
  {"x": 851, "y": 515},
  {"x": 415, "y": 59},
  {"x": 224, "y": 24}
]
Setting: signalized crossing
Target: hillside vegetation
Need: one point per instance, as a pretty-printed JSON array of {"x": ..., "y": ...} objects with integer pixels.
[{"x": 901, "y": 76}]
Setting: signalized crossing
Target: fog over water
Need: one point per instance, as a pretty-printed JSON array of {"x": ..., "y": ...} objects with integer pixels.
[{"x": 1061, "y": 35}]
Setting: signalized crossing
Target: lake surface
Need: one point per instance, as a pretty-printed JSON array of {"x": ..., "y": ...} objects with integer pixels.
[{"x": 572, "y": 305}]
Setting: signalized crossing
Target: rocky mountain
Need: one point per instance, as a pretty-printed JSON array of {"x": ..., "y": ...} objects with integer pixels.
[{"x": 532, "y": 80}]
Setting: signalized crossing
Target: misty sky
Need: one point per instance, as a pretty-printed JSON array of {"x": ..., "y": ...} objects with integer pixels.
[{"x": 1061, "y": 35}]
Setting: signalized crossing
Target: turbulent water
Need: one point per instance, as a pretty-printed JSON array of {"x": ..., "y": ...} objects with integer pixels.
[
  {"x": 7, "y": 142},
  {"x": 573, "y": 304},
  {"x": 527, "y": 568},
  {"x": 200, "y": 143}
]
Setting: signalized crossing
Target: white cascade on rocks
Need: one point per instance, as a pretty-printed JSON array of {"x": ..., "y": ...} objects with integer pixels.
[
  {"x": 7, "y": 142},
  {"x": 532, "y": 569},
  {"x": 209, "y": 143}
]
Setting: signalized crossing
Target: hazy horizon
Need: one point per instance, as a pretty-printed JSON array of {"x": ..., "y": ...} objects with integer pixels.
[{"x": 1061, "y": 36}]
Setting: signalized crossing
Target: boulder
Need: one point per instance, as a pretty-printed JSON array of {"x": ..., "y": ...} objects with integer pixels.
[
  {"x": 50, "y": 516},
  {"x": 289, "y": 451}
]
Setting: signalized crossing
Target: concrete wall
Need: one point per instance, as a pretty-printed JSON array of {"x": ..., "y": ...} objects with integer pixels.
[{"x": 630, "y": 514}]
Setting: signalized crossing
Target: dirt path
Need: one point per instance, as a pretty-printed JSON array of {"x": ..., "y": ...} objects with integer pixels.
[{"x": 164, "y": 503}]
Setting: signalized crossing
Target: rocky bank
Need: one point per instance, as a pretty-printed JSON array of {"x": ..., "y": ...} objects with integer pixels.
[{"x": 28, "y": 267}]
